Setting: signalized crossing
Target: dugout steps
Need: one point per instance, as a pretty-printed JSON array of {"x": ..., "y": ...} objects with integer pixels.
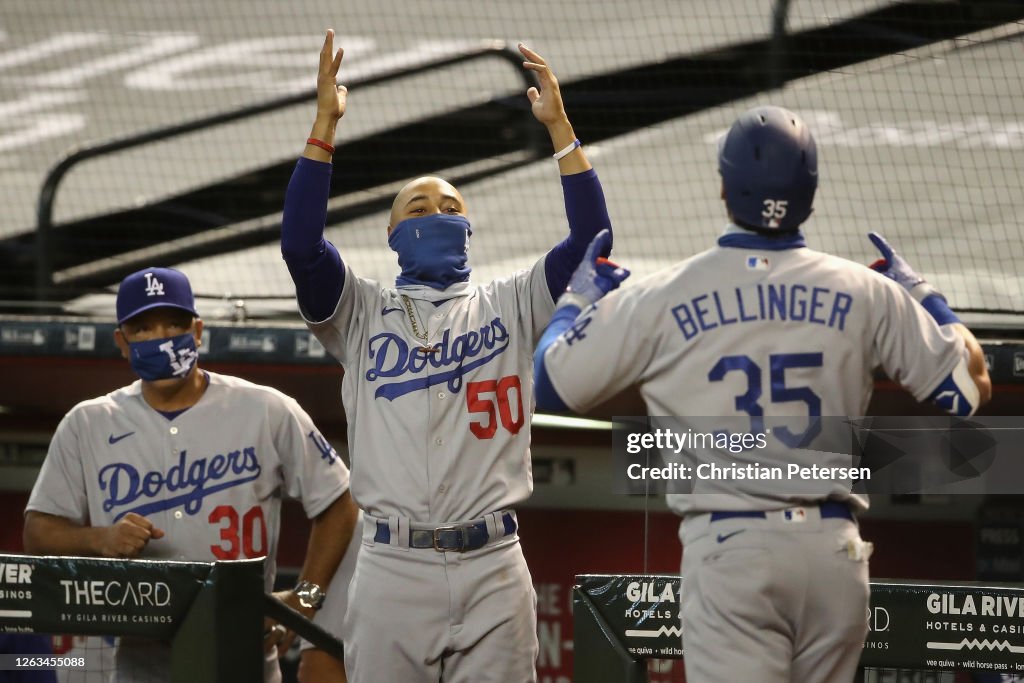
[{"x": 88, "y": 254}]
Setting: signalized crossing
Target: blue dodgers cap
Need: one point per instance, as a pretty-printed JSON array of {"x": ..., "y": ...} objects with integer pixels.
[{"x": 152, "y": 288}]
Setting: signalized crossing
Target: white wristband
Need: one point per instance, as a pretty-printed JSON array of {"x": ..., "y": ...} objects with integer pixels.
[
  {"x": 562, "y": 153},
  {"x": 922, "y": 290},
  {"x": 573, "y": 299}
]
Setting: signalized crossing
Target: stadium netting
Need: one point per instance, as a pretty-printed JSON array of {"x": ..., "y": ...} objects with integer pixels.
[{"x": 915, "y": 106}]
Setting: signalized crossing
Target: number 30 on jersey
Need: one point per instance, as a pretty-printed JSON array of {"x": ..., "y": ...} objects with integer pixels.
[{"x": 240, "y": 535}]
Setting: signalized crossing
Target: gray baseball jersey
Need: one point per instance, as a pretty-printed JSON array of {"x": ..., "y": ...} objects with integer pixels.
[
  {"x": 212, "y": 478},
  {"x": 444, "y": 435},
  {"x": 735, "y": 331},
  {"x": 438, "y": 391},
  {"x": 761, "y": 333}
]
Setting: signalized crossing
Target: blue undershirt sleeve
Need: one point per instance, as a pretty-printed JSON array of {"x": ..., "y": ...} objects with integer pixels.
[
  {"x": 587, "y": 214},
  {"x": 544, "y": 390},
  {"x": 314, "y": 263}
]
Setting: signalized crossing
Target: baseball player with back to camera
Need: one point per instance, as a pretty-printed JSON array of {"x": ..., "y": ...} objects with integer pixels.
[
  {"x": 437, "y": 391},
  {"x": 187, "y": 464},
  {"x": 761, "y": 326}
]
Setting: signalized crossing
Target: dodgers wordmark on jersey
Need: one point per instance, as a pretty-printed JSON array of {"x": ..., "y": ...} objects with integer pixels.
[
  {"x": 791, "y": 332},
  {"x": 443, "y": 434},
  {"x": 212, "y": 478}
]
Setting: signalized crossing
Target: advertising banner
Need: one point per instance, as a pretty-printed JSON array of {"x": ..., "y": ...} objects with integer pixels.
[
  {"x": 964, "y": 627},
  {"x": 90, "y": 596}
]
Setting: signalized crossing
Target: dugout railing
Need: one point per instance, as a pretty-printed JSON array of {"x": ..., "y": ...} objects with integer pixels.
[
  {"x": 621, "y": 621},
  {"x": 211, "y": 613},
  {"x": 44, "y": 247}
]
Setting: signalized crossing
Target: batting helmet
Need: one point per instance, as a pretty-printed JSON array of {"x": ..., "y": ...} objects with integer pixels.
[{"x": 769, "y": 166}]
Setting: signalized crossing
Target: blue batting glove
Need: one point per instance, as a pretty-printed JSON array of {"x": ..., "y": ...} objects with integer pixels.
[
  {"x": 894, "y": 266},
  {"x": 595, "y": 276}
]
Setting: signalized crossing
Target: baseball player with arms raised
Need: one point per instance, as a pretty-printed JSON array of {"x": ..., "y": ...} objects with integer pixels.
[
  {"x": 186, "y": 464},
  {"x": 762, "y": 326},
  {"x": 437, "y": 390}
]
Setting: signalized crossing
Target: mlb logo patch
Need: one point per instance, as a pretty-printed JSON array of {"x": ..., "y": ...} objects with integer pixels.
[
  {"x": 794, "y": 515},
  {"x": 757, "y": 263}
]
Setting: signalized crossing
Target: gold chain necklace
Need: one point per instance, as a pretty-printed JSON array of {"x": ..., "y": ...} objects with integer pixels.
[{"x": 425, "y": 347}]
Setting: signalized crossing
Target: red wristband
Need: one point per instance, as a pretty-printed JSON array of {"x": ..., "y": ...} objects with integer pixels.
[{"x": 321, "y": 144}]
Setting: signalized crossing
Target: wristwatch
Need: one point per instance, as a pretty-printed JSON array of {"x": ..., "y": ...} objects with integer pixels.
[{"x": 310, "y": 594}]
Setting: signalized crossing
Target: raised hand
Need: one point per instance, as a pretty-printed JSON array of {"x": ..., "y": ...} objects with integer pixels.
[
  {"x": 330, "y": 97},
  {"x": 892, "y": 265},
  {"x": 546, "y": 102}
]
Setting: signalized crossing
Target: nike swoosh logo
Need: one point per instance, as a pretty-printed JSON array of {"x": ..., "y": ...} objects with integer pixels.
[
  {"x": 722, "y": 538},
  {"x": 386, "y": 310},
  {"x": 114, "y": 439}
]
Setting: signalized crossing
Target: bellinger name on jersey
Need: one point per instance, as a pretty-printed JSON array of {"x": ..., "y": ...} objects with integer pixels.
[{"x": 794, "y": 301}]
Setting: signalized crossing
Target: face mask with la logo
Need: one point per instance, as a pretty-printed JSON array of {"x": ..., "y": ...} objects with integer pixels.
[{"x": 171, "y": 358}]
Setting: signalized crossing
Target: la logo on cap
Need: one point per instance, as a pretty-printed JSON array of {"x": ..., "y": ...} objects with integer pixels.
[{"x": 153, "y": 286}]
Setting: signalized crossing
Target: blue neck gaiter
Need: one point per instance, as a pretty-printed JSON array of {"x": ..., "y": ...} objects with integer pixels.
[
  {"x": 432, "y": 250},
  {"x": 167, "y": 358}
]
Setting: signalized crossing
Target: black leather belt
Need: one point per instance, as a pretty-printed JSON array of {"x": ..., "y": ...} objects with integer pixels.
[{"x": 448, "y": 537}]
